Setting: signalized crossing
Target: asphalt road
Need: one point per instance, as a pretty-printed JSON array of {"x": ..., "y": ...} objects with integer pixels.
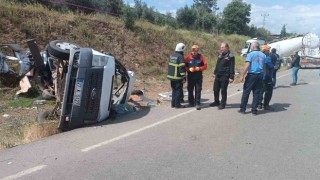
[{"x": 165, "y": 143}]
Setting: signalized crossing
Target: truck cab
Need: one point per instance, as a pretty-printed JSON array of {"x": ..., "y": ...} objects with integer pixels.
[{"x": 246, "y": 48}]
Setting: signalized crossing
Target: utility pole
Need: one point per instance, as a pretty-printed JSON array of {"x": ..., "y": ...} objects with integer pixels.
[
  {"x": 264, "y": 19},
  {"x": 215, "y": 9}
]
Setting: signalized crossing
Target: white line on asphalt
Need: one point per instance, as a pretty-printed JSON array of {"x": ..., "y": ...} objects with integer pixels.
[
  {"x": 142, "y": 129},
  {"x": 134, "y": 132},
  {"x": 148, "y": 127},
  {"x": 283, "y": 75},
  {"x": 24, "y": 173}
]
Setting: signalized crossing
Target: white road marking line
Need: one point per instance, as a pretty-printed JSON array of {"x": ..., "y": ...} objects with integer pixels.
[
  {"x": 142, "y": 129},
  {"x": 283, "y": 75},
  {"x": 149, "y": 126},
  {"x": 134, "y": 132},
  {"x": 24, "y": 173}
]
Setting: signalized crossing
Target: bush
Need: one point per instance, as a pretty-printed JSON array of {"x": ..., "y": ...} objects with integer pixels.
[{"x": 128, "y": 17}]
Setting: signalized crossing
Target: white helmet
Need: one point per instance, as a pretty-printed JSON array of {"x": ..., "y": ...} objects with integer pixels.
[{"x": 180, "y": 47}]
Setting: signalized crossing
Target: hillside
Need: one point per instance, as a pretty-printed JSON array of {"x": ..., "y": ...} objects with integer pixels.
[{"x": 144, "y": 50}]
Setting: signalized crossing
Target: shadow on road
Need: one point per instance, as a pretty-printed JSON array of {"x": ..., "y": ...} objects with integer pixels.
[
  {"x": 114, "y": 119},
  {"x": 228, "y": 106},
  {"x": 302, "y": 83},
  {"x": 289, "y": 86},
  {"x": 278, "y": 107},
  {"x": 282, "y": 86}
]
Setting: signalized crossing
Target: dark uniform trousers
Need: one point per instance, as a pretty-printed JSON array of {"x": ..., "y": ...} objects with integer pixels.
[
  {"x": 194, "y": 82},
  {"x": 253, "y": 82},
  {"x": 176, "y": 86},
  {"x": 274, "y": 77},
  {"x": 267, "y": 90},
  {"x": 220, "y": 83}
]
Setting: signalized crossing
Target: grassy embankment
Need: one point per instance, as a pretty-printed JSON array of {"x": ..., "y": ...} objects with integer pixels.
[{"x": 144, "y": 50}]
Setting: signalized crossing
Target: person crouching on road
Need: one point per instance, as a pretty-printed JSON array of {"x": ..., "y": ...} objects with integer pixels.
[
  {"x": 176, "y": 74},
  {"x": 223, "y": 74},
  {"x": 267, "y": 85},
  {"x": 195, "y": 64},
  {"x": 254, "y": 65}
]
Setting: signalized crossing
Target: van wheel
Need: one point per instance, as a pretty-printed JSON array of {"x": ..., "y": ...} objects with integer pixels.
[{"x": 61, "y": 49}]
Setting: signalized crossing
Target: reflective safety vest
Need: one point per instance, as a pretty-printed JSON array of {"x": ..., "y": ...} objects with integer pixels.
[{"x": 176, "y": 67}]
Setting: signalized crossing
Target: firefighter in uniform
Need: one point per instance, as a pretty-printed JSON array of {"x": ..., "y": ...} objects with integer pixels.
[
  {"x": 195, "y": 64},
  {"x": 224, "y": 74},
  {"x": 176, "y": 74}
]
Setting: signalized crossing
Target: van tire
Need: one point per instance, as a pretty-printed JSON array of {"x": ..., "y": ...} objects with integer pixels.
[{"x": 61, "y": 49}]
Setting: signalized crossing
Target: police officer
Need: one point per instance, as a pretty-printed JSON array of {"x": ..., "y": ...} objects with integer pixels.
[
  {"x": 176, "y": 74},
  {"x": 224, "y": 74},
  {"x": 253, "y": 70},
  {"x": 195, "y": 64}
]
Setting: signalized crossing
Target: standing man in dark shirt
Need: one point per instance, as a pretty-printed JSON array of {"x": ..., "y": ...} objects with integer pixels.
[
  {"x": 224, "y": 74},
  {"x": 295, "y": 68},
  {"x": 275, "y": 59}
]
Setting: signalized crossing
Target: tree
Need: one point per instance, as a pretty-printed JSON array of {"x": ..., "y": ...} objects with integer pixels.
[
  {"x": 236, "y": 17},
  {"x": 148, "y": 13},
  {"x": 186, "y": 17},
  {"x": 138, "y": 6},
  {"x": 252, "y": 31},
  {"x": 209, "y": 20},
  {"x": 205, "y": 20},
  {"x": 113, "y": 6},
  {"x": 209, "y": 5},
  {"x": 170, "y": 20},
  {"x": 128, "y": 17},
  {"x": 283, "y": 32},
  {"x": 264, "y": 34}
]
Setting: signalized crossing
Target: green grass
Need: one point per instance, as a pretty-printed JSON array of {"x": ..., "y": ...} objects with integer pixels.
[
  {"x": 11, "y": 132},
  {"x": 15, "y": 131},
  {"x": 22, "y": 102}
]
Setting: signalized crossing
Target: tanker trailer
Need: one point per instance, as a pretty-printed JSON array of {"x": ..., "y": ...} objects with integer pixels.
[{"x": 286, "y": 47}]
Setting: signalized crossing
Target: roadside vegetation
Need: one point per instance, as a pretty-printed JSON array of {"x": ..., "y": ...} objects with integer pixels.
[{"x": 142, "y": 46}]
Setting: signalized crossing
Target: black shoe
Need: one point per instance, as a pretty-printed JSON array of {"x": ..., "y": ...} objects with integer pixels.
[
  {"x": 214, "y": 104},
  {"x": 254, "y": 113},
  {"x": 173, "y": 106},
  {"x": 181, "y": 106},
  {"x": 293, "y": 84},
  {"x": 221, "y": 107},
  {"x": 198, "y": 107},
  {"x": 182, "y": 100},
  {"x": 241, "y": 111},
  {"x": 191, "y": 105},
  {"x": 259, "y": 106},
  {"x": 269, "y": 108}
]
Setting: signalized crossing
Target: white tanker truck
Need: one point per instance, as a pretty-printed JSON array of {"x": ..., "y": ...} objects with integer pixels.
[{"x": 304, "y": 43}]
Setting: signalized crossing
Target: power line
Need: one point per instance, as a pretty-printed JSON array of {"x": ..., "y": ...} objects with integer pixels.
[{"x": 264, "y": 19}]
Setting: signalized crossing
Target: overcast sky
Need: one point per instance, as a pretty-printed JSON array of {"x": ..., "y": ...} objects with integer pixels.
[{"x": 300, "y": 16}]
